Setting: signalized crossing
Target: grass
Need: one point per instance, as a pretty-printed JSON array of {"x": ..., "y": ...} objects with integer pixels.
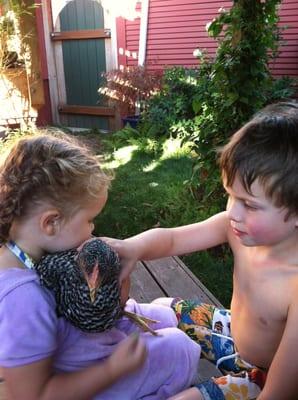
[{"x": 151, "y": 189}]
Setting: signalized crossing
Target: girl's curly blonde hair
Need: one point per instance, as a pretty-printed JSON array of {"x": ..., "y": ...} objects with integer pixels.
[{"x": 55, "y": 169}]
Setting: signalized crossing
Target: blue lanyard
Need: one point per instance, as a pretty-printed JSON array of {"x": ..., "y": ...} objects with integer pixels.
[{"x": 20, "y": 254}]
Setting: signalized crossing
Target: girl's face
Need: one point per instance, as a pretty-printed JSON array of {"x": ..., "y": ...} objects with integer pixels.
[
  {"x": 255, "y": 220},
  {"x": 78, "y": 228}
]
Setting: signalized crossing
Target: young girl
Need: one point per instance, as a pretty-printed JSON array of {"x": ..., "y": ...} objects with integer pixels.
[{"x": 51, "y": 189}]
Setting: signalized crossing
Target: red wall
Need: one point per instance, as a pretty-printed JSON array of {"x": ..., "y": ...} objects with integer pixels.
[
  {"x": 176, "y": 28},
  {"x": 287, "y": 62},
  {"x": 128, "y": 40}
]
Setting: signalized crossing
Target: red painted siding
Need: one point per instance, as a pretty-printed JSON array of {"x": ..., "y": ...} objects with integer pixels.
[
  {"x": 176, "y": 28},
  {"x": 287, "y": 61},
  {"x": 128, "y": 33}
]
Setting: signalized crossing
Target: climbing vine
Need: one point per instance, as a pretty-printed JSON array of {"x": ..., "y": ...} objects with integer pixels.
[{"x": 235, "y": 84}]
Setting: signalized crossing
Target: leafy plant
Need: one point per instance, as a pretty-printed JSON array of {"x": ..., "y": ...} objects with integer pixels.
[
  {"x": 130, "y": 88},
  {"x": 13, "y": 39},
  {"x": 172, "y": 105},
  {"x": 235, "y": 85},
  {"x": 207, "y": 104}
]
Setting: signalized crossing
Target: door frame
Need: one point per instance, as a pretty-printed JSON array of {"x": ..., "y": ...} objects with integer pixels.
[{"x": 53, "y": 44}]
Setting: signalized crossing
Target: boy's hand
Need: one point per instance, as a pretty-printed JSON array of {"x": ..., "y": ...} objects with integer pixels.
[
  {"x": 127, "y": 254},
  {"x": 125, "y": 288},
  {"x": 129, "y": 356}
]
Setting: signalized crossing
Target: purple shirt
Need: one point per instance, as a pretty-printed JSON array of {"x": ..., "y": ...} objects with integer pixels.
[{"x": 31, "y": 331}]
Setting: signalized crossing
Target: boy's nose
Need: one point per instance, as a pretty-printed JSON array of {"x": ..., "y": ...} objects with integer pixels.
[{"x": 234, "y": 211}]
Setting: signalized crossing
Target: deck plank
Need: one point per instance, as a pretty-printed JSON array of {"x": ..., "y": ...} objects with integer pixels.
[
  {"x": 144, "y": 288},
  {"x": 205, "y": 293},
  {"x": 177, "y": 280}
]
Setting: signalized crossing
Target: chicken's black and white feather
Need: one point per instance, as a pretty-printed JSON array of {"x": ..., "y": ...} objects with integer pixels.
[{"x": 67, "y": 273}]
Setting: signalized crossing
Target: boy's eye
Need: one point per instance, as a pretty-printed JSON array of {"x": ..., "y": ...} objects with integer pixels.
[{"x": 250, "y": 206}]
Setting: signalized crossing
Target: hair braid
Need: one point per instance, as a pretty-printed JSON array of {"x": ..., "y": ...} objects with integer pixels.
[{"x": 45, "y": 168}]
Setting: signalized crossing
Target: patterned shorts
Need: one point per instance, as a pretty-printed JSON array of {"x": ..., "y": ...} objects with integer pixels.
[{"x": 210, "y": 327}]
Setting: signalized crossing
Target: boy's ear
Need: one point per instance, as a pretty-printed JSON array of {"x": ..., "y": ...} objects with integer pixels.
[{"x": 50, "y": 222}]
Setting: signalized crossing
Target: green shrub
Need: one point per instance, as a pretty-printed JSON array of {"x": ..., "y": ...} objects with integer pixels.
[
  {"x": 208, "y": 104},
  {"x": 171, "y": 104},
  {"x": 235, "y": 85}
]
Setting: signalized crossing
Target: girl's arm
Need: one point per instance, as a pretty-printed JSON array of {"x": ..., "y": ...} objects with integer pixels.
[
  {"x": 36, "y": 381},
  {"x": 163, "y": 242}
]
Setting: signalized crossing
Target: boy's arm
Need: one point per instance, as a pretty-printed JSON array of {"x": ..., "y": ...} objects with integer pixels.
[
  {"x": 163, "y": 242},
  {"x": 36, "y": 381},
  {"x": 282, "y": 379}
]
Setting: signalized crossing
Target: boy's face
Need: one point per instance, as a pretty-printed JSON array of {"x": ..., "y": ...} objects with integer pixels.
[{"x": 255, "y": 220}]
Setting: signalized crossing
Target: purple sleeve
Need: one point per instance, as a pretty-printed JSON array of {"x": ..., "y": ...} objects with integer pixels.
[{"x": 28, "y": 325}]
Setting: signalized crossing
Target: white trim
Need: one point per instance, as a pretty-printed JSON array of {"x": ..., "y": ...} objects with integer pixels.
[
  {"x": 143, "y": 32},
  {"x": 110, "y": 44},
  {"x": 58, "y": 5},
  {"x": 58, "y": 51},
  {"x": 114, "y": 44}
]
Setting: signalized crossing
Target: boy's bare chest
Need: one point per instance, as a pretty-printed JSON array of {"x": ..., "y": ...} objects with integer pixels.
[
  {"x": 261, "y": 298},
  {"x": 263, "y": 289}
]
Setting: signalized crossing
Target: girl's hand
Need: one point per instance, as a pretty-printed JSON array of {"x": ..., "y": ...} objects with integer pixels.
[
  {"x": 127, "y": 254},
  {"x": 129, "y": 356}
]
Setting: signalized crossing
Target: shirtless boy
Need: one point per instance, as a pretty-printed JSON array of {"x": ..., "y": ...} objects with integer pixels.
[{"x": 256, "y": 345}]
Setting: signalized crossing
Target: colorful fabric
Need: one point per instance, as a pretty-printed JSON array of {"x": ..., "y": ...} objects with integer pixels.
[{"x": 210, "y": 327}]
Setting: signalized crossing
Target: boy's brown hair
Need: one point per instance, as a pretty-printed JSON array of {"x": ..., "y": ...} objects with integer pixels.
[
  {"x": 266, "y": 149},
  {"x": 55, "y": 169}
]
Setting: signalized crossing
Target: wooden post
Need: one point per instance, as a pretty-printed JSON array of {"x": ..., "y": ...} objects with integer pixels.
[{"x": 30, "y": 41}]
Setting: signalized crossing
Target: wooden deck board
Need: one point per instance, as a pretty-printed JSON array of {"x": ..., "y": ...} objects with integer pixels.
[
  {"x": 144, "y": 288},
  {"x": 176, "y": 280}
]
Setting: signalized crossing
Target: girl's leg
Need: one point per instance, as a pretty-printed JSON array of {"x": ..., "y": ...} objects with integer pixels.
[
  {"x": 164, "y": 301},
  {"x": 164, "y": 315}
]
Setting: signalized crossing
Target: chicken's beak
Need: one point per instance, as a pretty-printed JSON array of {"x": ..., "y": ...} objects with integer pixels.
[{"x": 92, "y": 291}]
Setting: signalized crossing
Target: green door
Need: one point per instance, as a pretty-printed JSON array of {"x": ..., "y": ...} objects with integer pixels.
[{"x": 84, "y": 59}]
